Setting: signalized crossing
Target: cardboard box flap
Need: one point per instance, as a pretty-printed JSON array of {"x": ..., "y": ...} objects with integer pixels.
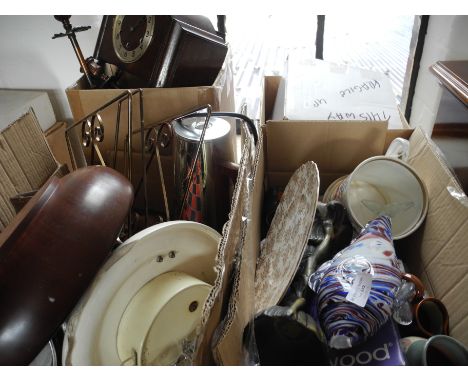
[
  {"x": 57, "y": 142},
  {"x": 439, "y": 250},
  {"x": 26, "y": 162},
  {"x": 231, "y": 344},
  {"x": 159, "y": 104},
  {"x": 28, "y": 146},
  {"x": 229, "y": 306},
  {"x": 12, "y": 175},
  {"x": 271, "y": 85},
  {"x": 336, "y": 147},
  {"x": 7, "y": 211}
]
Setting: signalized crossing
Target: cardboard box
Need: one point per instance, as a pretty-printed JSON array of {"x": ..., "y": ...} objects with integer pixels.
[
  {"x": 337, "y": 146},
  {"x": 26, "y": 162},
  {"x": 436, "y": 251},
  {"x": 159, "y": 104},
  {"x": 20, "y": 200},
  {"x": 55, "y": 137},
  {"x": 318, "y": 90}
]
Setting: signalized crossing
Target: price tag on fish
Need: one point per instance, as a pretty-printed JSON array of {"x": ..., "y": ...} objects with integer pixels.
[{"x": 360, "y": 290}]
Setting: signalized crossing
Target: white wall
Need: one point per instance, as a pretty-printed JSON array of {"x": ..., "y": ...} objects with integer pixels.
[
  {"x": 446, "y": 39},
  {"x": 30, "y": 59}
]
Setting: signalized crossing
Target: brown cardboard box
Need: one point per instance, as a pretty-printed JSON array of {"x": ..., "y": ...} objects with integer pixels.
[
  {"x": 55, "y": 137},
  {"x": 26, "y": 162},
  {"x": 159, "y": 104},
  {"x": 436, "y": 251}
]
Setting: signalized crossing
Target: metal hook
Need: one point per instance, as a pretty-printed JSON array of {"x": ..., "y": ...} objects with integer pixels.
[
  {"x": 86, "y": 131},
  {"x": 99, "y": 129}
]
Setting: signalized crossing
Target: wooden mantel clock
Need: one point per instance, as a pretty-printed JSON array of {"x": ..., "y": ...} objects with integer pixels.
[{"x": 161, "y": 51}]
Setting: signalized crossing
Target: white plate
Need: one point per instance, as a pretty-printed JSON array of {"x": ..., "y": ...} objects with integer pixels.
[
  {"x": 91, "y": 334},
  {"x": 287, "y": 237}
]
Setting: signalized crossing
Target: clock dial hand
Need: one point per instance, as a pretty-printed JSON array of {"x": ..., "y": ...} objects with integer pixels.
[{"x": 138, "y": 23}]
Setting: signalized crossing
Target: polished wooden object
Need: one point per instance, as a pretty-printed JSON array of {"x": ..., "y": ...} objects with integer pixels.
[
  {"x": 454, "y": 76},
  {"x": 184, "y": 51},
  {"x": 50, "y": 253}
]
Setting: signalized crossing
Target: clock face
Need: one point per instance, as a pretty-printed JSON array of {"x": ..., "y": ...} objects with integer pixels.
[{"x": 131, "y": 36}]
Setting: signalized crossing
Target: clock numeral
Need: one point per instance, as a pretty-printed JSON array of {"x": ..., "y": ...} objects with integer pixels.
[
  {"x": 133, "y": 53},
  {"x": 117, "y": 36},
  {"x": 125, "y": 54},
  {"x": 147, "y": 33}
]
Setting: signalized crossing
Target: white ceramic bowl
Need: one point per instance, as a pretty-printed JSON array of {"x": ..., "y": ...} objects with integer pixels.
[
  {"x": 165, "y": 312},
  {"x": 92, "y": 328}
]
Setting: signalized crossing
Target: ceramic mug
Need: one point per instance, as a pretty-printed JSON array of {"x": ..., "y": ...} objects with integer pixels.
[
  {"x": 379, "y": 186},
  {"x": 406, "y": 342},
  {"x": 430, "y": 316},
  {"x": 399, "y": 148},
  {"x": 439, "y": 350}
]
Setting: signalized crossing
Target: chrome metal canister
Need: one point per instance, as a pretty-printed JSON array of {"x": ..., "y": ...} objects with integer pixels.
[{"x": 201, "y": 199}]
